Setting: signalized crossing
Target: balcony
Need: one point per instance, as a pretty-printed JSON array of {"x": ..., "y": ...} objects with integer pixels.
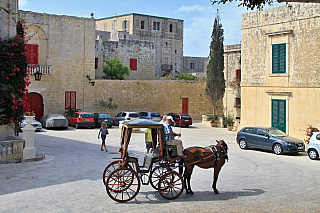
[
  {"x": 44, "y": 69},
  {"x": 167, "y": 67}
]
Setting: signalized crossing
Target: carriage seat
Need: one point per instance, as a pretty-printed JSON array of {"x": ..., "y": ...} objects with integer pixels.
[
  {"x": 147, "y": 163},
  {"x": 171, "y": 150}
]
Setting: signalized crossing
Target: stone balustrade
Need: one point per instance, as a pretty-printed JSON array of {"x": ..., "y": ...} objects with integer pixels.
[{"x": 11, "y": 150}]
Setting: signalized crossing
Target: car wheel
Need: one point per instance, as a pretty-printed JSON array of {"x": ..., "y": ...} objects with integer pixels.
[
  {"x": 313, "y": 154},
  {"x": 277, "y": 149},
  {"x": 110, "y": 126},
  {"x": 187, "y": 125},
  {"x": 77, "y": 126},
  {"x": 243, "y": 144},
  {"x": 92, "y": 127}
]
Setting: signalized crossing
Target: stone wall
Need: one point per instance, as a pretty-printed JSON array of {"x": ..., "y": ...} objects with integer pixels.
[
  {"x": 158, "y": 95},
  {"x": 8, "y": 22},
  {"x": 199, "y": 64},
  {"x": 299, "y": 29}
]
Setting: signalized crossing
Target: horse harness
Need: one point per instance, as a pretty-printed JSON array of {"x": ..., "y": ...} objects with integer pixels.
[{"x": 197, "y": 160}]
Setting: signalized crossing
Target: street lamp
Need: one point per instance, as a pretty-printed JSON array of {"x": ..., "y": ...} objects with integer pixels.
[{"x": 91, "y": 81}]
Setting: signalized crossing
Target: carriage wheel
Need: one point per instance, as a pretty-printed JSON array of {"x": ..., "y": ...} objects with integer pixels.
[
  {"x": 110, "y": 168},
  {"x": 171, "y": 185},
  {"x": 123, "y": 184},
  {"x": 156, "y": 174}
]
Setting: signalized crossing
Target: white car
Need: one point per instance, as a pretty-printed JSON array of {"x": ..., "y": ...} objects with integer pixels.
[
  {"x": 36, "y": 124},
  {"x": 124, "y": 116},
  {"x": 313, "y": 148}
]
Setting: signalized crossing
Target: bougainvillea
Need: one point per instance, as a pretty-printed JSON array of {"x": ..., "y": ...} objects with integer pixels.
[
  {"x": 309, "y": 133},
  {"x": 14, "y": 79}
]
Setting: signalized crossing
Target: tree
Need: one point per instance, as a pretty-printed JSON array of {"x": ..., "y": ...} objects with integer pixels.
[
  {"x": 215, "y": 87},
  {"x": 259, "y": 4},
  {"x": 107, "y": 105},
  {"x": 114, "y": 69}
]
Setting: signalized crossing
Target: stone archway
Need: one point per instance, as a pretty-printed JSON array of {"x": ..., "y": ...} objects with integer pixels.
[{"x": 35, "y": 102}]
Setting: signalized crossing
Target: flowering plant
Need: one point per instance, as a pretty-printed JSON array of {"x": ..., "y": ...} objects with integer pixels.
[
  {"x": 309, "y": 133},
  {"x": 29, "y": 113}
]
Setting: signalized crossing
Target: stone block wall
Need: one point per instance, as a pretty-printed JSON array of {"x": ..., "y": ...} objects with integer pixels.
[{"x": 8, "y": 22}]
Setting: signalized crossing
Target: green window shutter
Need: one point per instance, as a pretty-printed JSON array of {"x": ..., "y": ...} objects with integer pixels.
[{"x": 279, "y": 58}]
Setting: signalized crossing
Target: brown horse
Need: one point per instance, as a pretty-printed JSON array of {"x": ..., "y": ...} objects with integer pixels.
[{"x": 213, "y": 156}]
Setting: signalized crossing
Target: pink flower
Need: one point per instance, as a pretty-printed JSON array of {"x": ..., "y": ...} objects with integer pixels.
[{"x": 7, "y": 78}]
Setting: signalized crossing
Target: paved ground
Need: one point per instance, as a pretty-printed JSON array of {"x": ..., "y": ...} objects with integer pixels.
[{"x": 70, "y": 177}]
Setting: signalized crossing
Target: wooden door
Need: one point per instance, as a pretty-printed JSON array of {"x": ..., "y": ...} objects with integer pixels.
[
  {"x": 35, "y": 102},
  {"x": 185, "y": 105}
]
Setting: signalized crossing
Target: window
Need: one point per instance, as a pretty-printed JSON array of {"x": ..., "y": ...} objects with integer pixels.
[
  {"x": 278, "y": 58},
  {"x": 262, "y": 132},
  {"x": 171, "y": 28},
  {"x": 125, "y": 25},
  {"x": 133, "y": 63},
  {"x": 105, "y": 27},
  {"x": 192, "y": 65},
  {"x": 142, "y": 25},
  {"x": 70, "y": 99},
  {"x": 250, "y": 130},
  {"x": 33, "y": 52},
  {"x": 96, "y": 63},
  {"x": 113, "y": 26},
  {"x": 238, "y": 74},
  {"x": 238, "y": 103},
  {"x": 156, "y": 25}
]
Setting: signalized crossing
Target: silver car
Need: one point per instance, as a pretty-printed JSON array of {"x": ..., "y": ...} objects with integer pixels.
[
  {"x": 36, "y": 124},
  {"x": 155, "y": 116},
  {"x": 122, "y": 116},
  {"x": 313, "y": 147},
  {"x": 54, "y": 121}
]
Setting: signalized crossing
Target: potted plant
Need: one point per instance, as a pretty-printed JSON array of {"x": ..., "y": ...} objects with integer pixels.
[
  {"x": 212, "y": 119},
  {"x": 229, "y": 122},
  {"x": 29, "y": 116}
]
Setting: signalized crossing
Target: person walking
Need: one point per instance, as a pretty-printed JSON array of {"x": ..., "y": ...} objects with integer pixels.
[{"x": 104, "y": 132}]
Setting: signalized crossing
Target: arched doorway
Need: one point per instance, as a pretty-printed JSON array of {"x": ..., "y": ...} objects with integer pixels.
[{"x": 35, "y": 102}]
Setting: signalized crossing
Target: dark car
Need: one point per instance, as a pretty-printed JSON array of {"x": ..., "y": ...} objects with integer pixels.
[
  {"x": 102, "y": 117},
  {"x": 181, "y": 119},
  {"x": 54, "y": 121},
  {"x": 268, "y": 138},
  {"x": 155, "y": 116}
]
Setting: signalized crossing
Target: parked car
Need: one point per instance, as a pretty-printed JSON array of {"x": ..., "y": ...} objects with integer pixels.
[
  {"x": 102, "y": 117},
  {"x": 54, "y": 121},
  {"x": 155, "y": 116},
  {"x": 181, "y": 119},
  {"x": 121, "y": 116},
  {"x": 81, "y": 119},
  {"x": 313, "y": 148},
  {"x": 36, "y": 124},
  {"x": 269, "y": 138}
]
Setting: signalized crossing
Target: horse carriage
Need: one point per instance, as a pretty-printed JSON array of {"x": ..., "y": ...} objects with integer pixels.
[{"x": 124, "y": 176}]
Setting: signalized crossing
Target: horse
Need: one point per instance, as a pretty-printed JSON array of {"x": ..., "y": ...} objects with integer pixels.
[{"x": 213, "y": 156}]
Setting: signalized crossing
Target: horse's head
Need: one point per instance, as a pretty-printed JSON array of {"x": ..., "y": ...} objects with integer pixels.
[{"x": 223, "y": 144}]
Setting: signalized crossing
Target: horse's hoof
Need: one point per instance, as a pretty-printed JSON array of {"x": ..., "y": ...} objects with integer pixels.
[
  {"x": 191, "y": 193},
  {"x": 187, "y": 192},
  {"x": 216, "y": 191}
]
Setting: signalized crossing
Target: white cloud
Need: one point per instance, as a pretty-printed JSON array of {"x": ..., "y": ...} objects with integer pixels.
[
  {"x": 23, "y": 2},
  {"x": 184, "y": 8}
]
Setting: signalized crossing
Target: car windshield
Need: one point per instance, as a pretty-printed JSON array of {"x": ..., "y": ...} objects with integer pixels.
[
  {"x": 104, "y": 116},
  {"x": 276, "y": 132},
  {"x": 133, "y": 115},
  {"x": 185, "y": 116},
  {"x": 86, "y": 115},
  {"x": 155, "y": 115}
]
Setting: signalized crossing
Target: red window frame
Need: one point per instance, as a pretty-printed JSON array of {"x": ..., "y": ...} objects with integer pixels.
[
  {"x": 70, "y": 100},
  {"x": 33, "y": 53},
  {"x": 238, "y": 74},
  {"x": 133, "y": 63}
]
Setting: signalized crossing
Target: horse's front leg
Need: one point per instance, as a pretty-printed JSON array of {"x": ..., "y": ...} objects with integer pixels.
[
  {"x": 186, "y": 178},
  {"x": 215, "y": 179}
]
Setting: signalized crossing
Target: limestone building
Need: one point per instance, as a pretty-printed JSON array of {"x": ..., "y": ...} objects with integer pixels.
[
  {"x": 151, "y": 46},
  {"x": 196, "y": 66},
  {"x": 280, "y": 68}
]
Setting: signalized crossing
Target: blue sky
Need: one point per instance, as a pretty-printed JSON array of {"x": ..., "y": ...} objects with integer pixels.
[{"x": 198, "y": 16}]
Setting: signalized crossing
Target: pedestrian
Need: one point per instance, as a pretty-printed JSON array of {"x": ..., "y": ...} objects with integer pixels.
[
  {"x": 148, "y": 140},
  {"x": 104, "y": 132}
]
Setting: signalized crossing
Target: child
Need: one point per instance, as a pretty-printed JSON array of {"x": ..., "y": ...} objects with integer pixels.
[
  {"x": 148, "y": 139},
  {"x": 104, "y": 132}
]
